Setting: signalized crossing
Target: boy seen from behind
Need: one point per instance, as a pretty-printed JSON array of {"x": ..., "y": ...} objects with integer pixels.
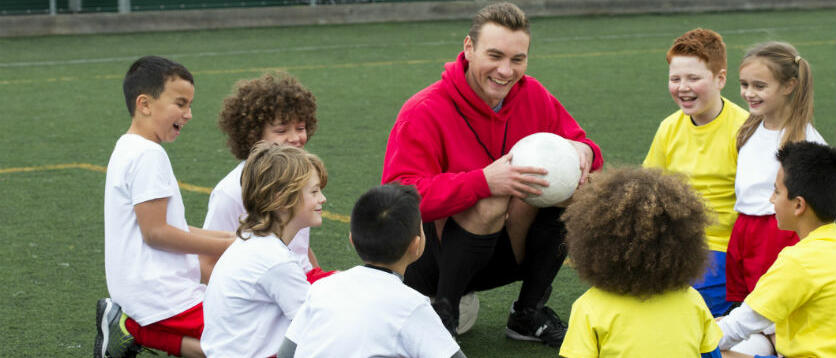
[
  {"x": 151, "y": 254},
  {"x": 367, "y": 311},
  {"x": 798, "y": 292},
  {"x": 638, "y": 237}
]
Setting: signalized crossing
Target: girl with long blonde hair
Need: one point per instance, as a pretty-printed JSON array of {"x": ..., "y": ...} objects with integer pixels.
[{"x": 777, "y": 83}]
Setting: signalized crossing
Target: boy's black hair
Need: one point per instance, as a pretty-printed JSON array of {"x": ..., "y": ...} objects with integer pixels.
[
  {"x": 148, "y": 75},
  {"x": 810, "y": 172},
  {"x": 384, "y": 221}
]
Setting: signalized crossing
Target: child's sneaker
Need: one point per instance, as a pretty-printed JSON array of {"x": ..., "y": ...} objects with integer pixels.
[
  {"x": 112, "y": 338},
  {"x": 538, "y": 324}
]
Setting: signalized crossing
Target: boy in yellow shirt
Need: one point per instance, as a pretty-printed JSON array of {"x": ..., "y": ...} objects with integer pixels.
[
  {"x": 699, "y": 141},
  {"x": 798, "y": 292}
]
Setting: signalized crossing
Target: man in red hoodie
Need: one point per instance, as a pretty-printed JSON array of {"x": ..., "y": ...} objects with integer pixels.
[{"x": 451, "y": 141}]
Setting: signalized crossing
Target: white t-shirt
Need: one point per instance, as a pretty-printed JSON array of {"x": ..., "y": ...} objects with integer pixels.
[
  {"x": 150, "y": 284},
  {"x": 366, "y": 312},
  {"x": 226, "y": 207},
  {"x": 757, "y": 168},
  {"x": 256, "y": 288}
]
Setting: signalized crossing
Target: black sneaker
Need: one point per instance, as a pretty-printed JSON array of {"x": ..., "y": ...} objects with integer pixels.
[
  {"x": 112, "y": 338},
  {"x": 444, "y": 309},
  {"x": 536, "y": 325}
]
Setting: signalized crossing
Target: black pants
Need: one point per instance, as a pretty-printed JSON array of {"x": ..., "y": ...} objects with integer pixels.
[{"x": 479, "y": 263}]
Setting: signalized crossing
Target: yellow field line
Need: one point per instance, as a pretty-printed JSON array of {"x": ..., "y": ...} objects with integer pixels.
[
  {"x": 185, "y": 186},
  {"x": 382, "y": 63},
  {"x": 336, "y": 217},
  {"x": 194, "y": 188},
  {"x": 95, "y": 168}
]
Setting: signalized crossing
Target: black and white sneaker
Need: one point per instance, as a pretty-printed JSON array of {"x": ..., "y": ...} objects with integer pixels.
[
  {"x": 538, "y": 324},
  {"x": 112, "y": 338}
]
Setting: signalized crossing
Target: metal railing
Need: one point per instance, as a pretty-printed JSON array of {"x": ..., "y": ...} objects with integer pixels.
[{"x": 56, "y": 7}]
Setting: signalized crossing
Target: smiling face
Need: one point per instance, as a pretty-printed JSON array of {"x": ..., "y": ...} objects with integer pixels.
[
  {"x": 308, "y": 213},
  {"x": 695, "y": 89},
  {"x": 293, "y": 133},
  {"x": 164, "y": 117},
  {"x": 496, "y": 61},
  {"x": 765, "y": 95}
]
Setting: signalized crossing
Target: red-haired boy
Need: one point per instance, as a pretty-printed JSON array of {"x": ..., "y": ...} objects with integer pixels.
[{"x": 699, "y": 140}]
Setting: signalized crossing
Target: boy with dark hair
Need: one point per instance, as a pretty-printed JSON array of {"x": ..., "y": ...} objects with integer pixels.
[
  {"x": 367, "y": 311},
  {"x": 798, "y": 292},
  {"x": 637, "y": 236},
  {"x": 699, "y": 141},
  {"x": 151, "y": 253}
]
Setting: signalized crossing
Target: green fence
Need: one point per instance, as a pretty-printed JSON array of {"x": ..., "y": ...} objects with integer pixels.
[{"x": 32, "y": 7}]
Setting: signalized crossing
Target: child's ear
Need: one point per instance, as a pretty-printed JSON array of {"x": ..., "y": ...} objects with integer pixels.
[
  {"x": 789, "y": 86},
  {"x": 143, "y": 104},
  {"x": 416, "y": 246},
  {"x": 350, "y": 240},
  {"x": 721, "y": 78},
  {"x": 799, "y": 206}
]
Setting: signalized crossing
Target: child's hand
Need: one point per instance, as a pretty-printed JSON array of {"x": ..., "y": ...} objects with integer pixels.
[{"x": 733, "y": 354}]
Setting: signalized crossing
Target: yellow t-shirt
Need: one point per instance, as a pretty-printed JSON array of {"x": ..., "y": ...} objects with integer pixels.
[
  {"x": 672, "y": 324},
  {"x": 707, "y": 156},
  {"x": 798, "y": 293}
]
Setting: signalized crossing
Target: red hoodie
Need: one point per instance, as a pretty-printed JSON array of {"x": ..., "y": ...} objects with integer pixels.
[{"x": 432, "y": 147}]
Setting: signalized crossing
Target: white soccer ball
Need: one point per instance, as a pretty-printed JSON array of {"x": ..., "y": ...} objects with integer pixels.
[{"x": 555, "y": 154}]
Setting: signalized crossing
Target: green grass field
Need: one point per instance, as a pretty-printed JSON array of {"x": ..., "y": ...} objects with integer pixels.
[{"x": 62, "y": 103}]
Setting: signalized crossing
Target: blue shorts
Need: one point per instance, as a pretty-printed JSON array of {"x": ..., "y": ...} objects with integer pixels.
[{"x": 712, "y": 286}]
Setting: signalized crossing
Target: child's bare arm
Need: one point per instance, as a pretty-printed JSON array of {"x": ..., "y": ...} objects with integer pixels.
[
  {"x": 207, "y": 262},
  {"x": 157, "y": 233},
  {"x": 218, "y": 234},
  {"x": 312, "y": 258}
]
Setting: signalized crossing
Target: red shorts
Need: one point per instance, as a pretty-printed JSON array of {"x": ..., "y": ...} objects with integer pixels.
[
  {"x": 167, "y": 335},
  {"x": 754, "y": 245}
]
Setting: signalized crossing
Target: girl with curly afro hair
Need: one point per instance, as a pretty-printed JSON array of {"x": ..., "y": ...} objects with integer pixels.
[
  {"x": 638, "y": 237},
  {"x": 274, "y": 108}
]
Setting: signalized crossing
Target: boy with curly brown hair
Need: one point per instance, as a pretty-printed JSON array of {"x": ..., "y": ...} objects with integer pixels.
[
  {"x": 638, "y": 237},
  {"x": 274, "y": 108}
]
